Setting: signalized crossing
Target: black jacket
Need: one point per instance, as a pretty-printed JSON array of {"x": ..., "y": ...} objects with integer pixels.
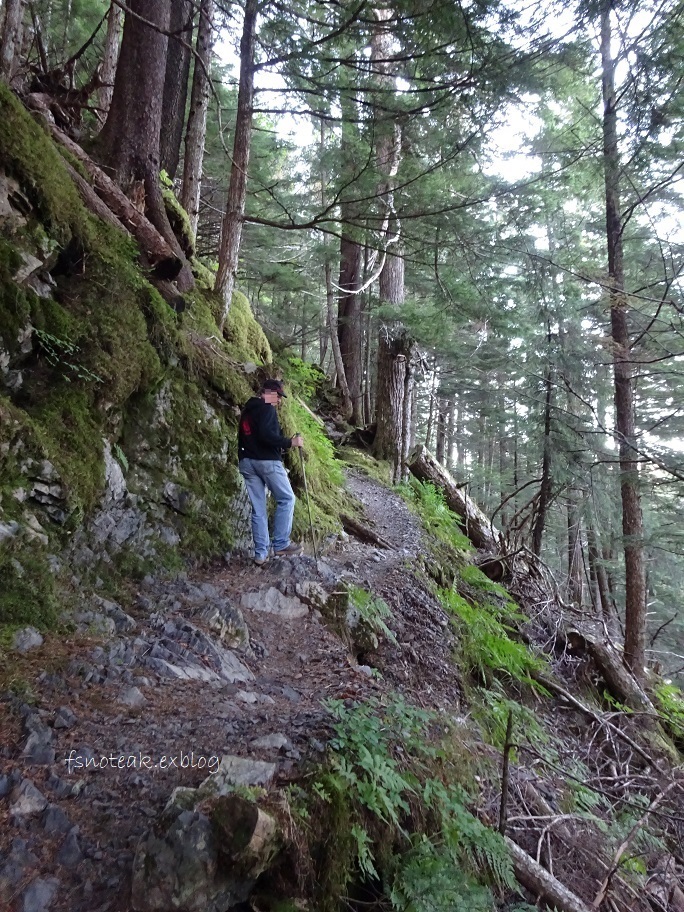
[{"x": 260, "y": 435}]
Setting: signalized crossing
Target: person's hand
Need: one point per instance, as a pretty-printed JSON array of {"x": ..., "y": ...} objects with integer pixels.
[{"x": 297, "y": 441}]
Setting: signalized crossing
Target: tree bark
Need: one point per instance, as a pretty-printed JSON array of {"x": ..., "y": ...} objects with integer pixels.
[
  {"x": 12, "y": 32},
  {"x": 575, "y": 578},
  {"x": 476, "y": 525},
  {"x": 231, "y": 229},
  {"x": 632, "y": 522},
  {"x": 164, "y": 261},
  {"x": 129, "y": 141},
  {"x": 546, "y": 480},
  {"x": 351, "y": 251},
  {"x": 110, "y": 58},
  {"x": 538, "y": 881},
  {"x": 196, "y": 130},
  {"x": 332, "y": 318},
  {"x": 176, "y": 85}
]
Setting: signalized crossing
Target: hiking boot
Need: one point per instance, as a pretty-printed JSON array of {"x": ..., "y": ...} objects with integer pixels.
[
  {"x": 290, "y": 551},
  {"x": 260, "y": 561}
]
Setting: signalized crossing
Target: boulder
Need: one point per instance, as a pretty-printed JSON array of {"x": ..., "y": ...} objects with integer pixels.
[
  {"x": 206, "y": 860},
  {"x": 272, "y": 601}
]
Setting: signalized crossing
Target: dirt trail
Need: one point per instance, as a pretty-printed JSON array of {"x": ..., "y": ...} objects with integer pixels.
[{"x": 80, "y": 836}]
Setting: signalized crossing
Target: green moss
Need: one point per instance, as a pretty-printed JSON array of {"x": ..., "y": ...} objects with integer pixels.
[
  {"x": 360, "y": 459},
  {"x": 179, "y": 221},
  {"x": 29, "y": 155},
  {"x": 70, "y": 429},
  {"x": 14, "y": 302},
  {"x": 246, "y": 338},
  {"x": 324, "y": 474},
  {"x": 28, "y": 594}
]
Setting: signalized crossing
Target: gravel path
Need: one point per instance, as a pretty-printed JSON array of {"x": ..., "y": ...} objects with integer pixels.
[{"x": 68, "y": 835}]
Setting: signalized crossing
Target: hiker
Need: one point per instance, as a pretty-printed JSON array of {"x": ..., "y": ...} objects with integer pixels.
[{"x": 260, "y": 446}]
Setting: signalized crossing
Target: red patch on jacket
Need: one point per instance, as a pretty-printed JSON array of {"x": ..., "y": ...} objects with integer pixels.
[{"x": 246, "y": 427}]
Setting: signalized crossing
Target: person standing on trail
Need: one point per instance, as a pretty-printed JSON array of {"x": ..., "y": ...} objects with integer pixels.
[{"x": 260, "y": 446}]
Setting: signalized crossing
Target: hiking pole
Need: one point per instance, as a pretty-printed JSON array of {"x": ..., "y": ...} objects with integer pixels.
[{"x": 308, "y": 502}]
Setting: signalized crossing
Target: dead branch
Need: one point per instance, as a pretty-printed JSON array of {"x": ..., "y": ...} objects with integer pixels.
[
  {"x": 600, "y": 896},
  {"x": 363, "y": 533},
  {"x": 538, "y": 881},
  {"x": 596, "y": 716}
]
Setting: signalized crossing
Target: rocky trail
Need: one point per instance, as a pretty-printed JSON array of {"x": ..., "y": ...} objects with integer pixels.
[{"x": 152, "y": 692}]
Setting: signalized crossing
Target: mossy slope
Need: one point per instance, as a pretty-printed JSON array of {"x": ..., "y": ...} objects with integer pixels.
[{"x": 93, "y": 362}]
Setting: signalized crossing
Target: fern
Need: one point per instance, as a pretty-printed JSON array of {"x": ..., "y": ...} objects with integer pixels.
[
  {"x": 381, "y": 762},
  {"x": 372, "y": 611},
  {"x": 431, "y": 880}
]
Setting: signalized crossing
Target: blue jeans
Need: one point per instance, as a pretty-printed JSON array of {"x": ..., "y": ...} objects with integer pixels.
[{"x": 260, "y": 474}]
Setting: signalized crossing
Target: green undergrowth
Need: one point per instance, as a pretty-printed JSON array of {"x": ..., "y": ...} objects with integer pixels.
[
  {"x": 361, "y": 459},
  {"x": 449, "y": 547},
  {"x": 29, "y": 594},
  {"x": 392, "y": 814},
  {"x": 324, "y": 476}
]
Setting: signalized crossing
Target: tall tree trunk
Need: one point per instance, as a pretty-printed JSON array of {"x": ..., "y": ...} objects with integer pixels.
[
  {"x": 575, "y": 580},
  {"x": 368, "y": 373},
  {"x": 396, "y": 349},
  {"x": 632, "y": 522},
  {"x": 129, "y": 141},
  {"x": 331, "y": 316},
  {"x": 110, "y": 58},
  {"x": 432, "y": 392},
  {"x": 231, "y": 229},
  {"x": 176, "y": 85},
  {"x": 196, "y": 130},
  {"x": 460, "y": 429},
  {"x": 12, "y": 32},
  {"x": 546, "y": 479},
  {"x": 351, "y": 259},
  {"x": 441, "y": 431}
]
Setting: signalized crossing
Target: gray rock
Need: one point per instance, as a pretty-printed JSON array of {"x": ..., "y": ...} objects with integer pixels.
[
  {"x": 133, "y": 697},
  {"x": 123, "y": 622},
  {"x": 272, "y": 601},
  {"x": 95, "y": 623},
  {"x": 312, "y": 594},
  {"x": 276, "y": 741},
  {"x": 64, "y": 718},
  {"x": 55, "y": 821},
  {"x": 26, "y": 800},
  {"x": 27, "y": 638},
  {"x": 37, "y": 749},
  {"x": 179, "y": 869},
  {"x": 178, "y": 499},
  {"x": 8, "y": 530},
  {"x": 39, "y": 895},
  {"x": 114, "y": 477},
  {"x": 234, "y": 771},
  {"x": 30, "y": 264},
  {"x": 15, "y": 867},
  {"x": 70, "y": 853},
  {"x": 227, "y": 622}
]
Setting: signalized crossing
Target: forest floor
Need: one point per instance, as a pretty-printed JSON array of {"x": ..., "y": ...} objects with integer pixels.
[{"x": 67, "y": 834}]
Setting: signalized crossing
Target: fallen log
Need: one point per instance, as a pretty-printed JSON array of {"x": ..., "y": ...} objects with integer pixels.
[
  {"x": 363, "y": 533},
  {"x": 538, "y": 881},
  {"x": 476, "y": 525},
  {"x": 165, "y": 264},
  {"x": 92, "y": 200}
]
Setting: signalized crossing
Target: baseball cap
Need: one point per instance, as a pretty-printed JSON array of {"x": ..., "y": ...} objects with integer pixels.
[{"x": 276, "y": 386}]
